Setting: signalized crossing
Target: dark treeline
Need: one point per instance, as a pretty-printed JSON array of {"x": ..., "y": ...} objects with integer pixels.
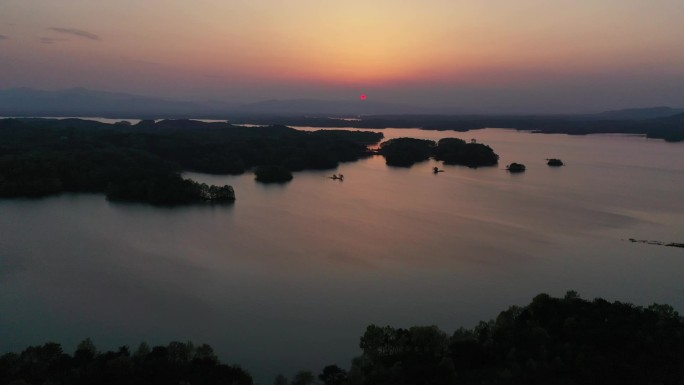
[
  {"x": 670, "y": 128},
  {"x": 40, "y": 157},
  {"x": 176, "y": 363},
  {"x": 404, "y": 152},
  {"x": 273, "y": 174},
  {"x": 550, "y": 341},
  {"x": 565, "y": 341}
]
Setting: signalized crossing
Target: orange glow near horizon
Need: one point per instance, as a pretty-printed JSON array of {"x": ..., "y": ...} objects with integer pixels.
[{"x": 263, "y": 45}]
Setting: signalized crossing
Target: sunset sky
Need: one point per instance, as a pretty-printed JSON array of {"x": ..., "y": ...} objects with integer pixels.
[{"x": 485, "y": 55}]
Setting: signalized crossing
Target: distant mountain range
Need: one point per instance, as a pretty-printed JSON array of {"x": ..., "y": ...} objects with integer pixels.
[
  {"x": 84, "y": 102},
  {"x": 330, "y": 107},
  {"x": 640, "y": 113}
]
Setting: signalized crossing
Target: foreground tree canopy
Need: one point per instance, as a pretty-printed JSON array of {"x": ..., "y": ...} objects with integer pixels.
[
  {"x": 40, "y": 157},
  {"x": 550, "y": 341},
  {"x": 404, "y": 152},
  {"x": 176, "y": 363}
]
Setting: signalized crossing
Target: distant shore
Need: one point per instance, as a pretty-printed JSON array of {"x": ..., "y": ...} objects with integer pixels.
[{"x": 669, "y": 128}]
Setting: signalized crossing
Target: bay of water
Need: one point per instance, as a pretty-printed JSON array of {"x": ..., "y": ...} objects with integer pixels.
[{"x": 289, "y": 276}]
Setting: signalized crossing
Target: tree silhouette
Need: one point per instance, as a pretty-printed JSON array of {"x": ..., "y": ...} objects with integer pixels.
[
  {"x": 333, "y": 375},
  {"x": 303, "y": 377}
]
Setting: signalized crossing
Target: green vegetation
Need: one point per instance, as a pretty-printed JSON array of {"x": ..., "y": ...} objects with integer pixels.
[
  {"x": 457, "y": 151},
  {"x": 550, "y": 341},
  {"x": 669, "y": 128},
  {"x": 273, "y": 174},
  {"x": 404, "y": 152},
  {"x": 565, "y": 340},
  {"x": 142, "y": 163},
  {"x": 176, "y": 363},
  {"x": 515, "y": 167}
]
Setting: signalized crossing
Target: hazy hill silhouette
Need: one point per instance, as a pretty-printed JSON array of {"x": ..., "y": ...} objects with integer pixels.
[
  {"x": 84, "y": 102},
  {"x": 640, "y": 113},
  {"x": 331, "y": 107},
  {"x": 655, "y": 122}
]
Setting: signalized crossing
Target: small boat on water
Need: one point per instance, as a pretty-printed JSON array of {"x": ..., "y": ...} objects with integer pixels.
[
  {"x": 515, "y": 167},
  {"x": 436, "y": 170},
  {"x": 337, "y": 177},
  {"x": 553, "y": 162}
]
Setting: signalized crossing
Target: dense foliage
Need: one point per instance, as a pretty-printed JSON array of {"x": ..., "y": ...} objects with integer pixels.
[
  {"x": 40, "y": 157},
  {"x": 551, "y": 341},
  {"x": 472, "y": 154},
  {"x": 404, "y": 152},
  {"x": 516, "y": 167},
  {"x": 272, "y": 174},
  {"x": 565, "y": 340},
  {"x": 176, "y": 363}
]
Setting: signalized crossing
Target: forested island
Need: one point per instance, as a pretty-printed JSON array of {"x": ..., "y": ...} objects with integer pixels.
[
  {"x": 143, "y": 162},
  {"x": 404, "y": 152},
  {"x": 552, "y": 340},
  {"x": 515, "y": 167}
]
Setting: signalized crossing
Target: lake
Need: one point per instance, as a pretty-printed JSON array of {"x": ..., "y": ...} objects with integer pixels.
[{"x": 289, "y": 276}]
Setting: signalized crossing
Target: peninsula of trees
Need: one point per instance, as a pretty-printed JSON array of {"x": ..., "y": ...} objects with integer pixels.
[
  {"x": 143, "y": 162},
  {"x": 565, "y": 340}
]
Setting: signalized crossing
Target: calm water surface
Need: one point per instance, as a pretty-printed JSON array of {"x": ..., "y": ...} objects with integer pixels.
[{"x": 289, "y": 276}]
